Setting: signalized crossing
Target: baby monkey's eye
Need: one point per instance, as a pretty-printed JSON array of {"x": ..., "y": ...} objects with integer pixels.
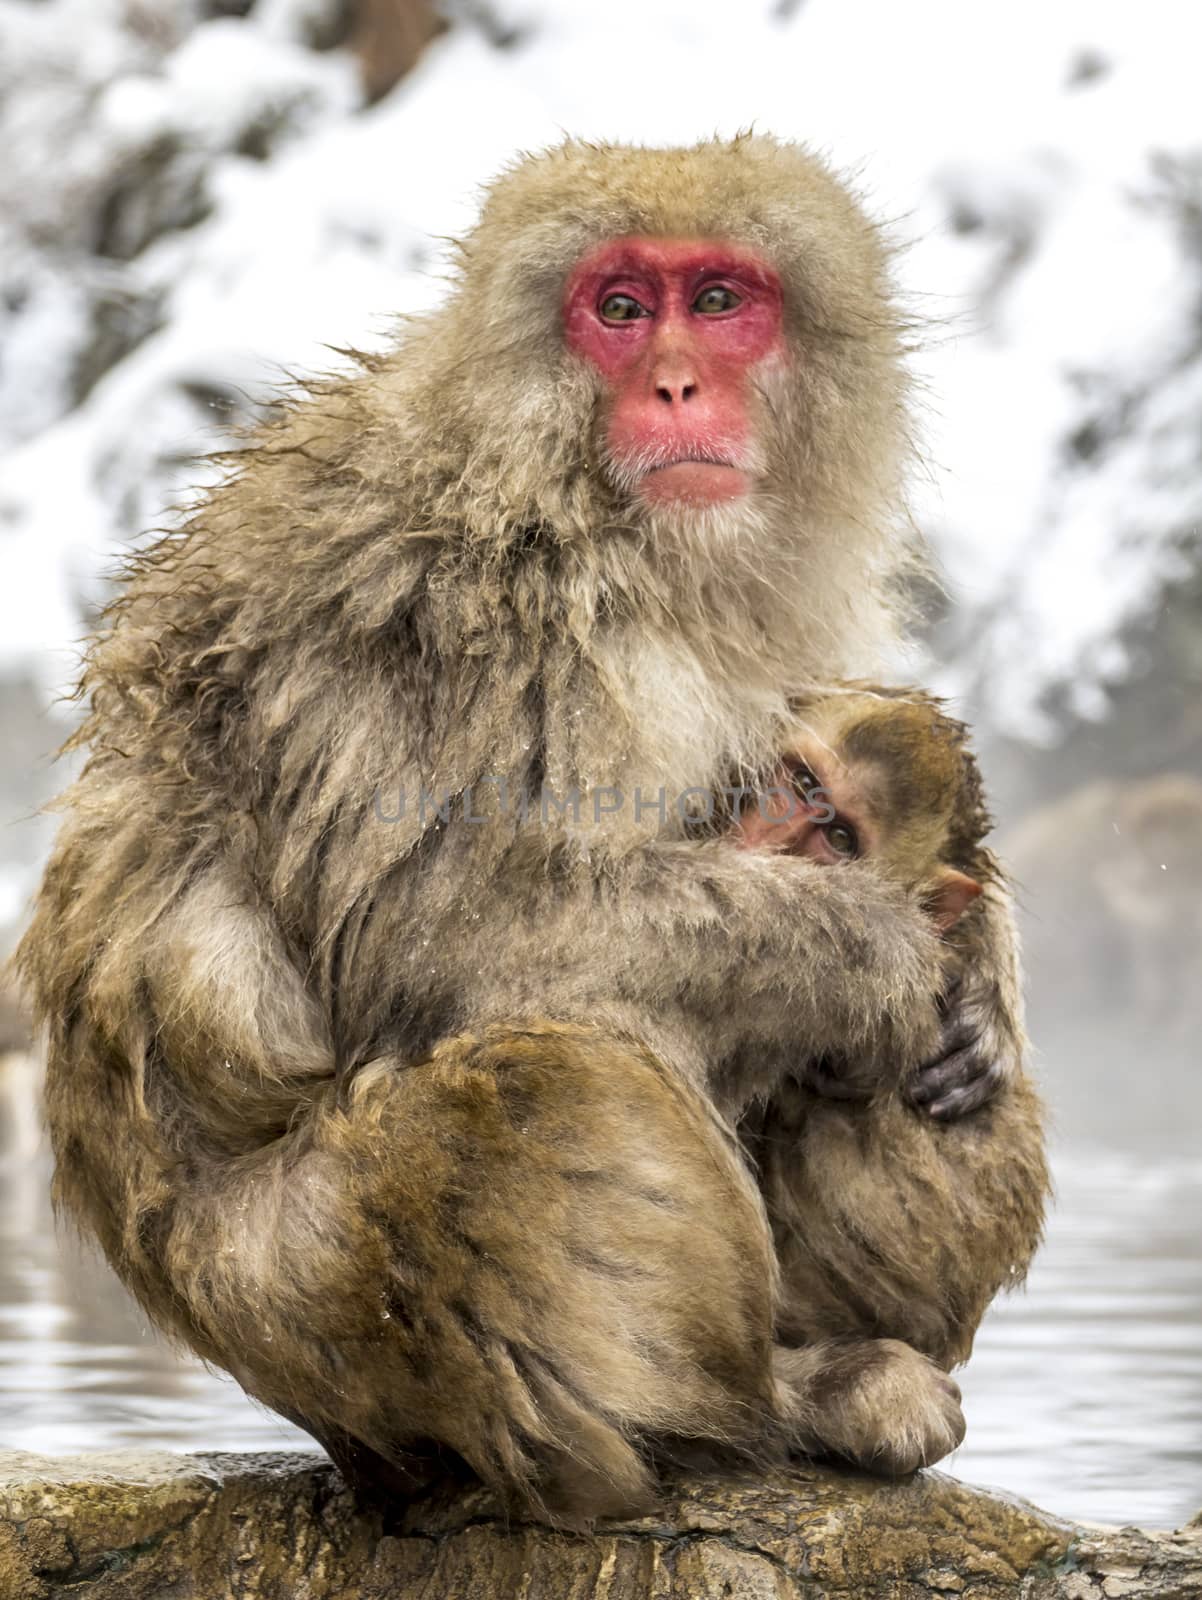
[
  {"x": 841, "y": 837},
  {"x": 621, "y": 308},
  {"x": 716, "y": 299},
  {"x": 803, "y": 780}
]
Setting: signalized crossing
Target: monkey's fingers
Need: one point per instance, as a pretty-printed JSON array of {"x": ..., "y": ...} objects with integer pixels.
[
  {"x": 961, "y": 1054},
  {"x": 958, "y": 1084}
]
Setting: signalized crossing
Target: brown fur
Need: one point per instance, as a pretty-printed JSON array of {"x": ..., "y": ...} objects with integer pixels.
[
  {"x": 887, "y": 1222},
  {"x": 317, "y": 1080}
]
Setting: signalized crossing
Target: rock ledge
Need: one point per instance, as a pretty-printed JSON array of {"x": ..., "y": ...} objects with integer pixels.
[{"x": 137, "y": 1526}]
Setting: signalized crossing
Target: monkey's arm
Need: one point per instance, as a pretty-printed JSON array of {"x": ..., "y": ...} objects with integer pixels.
[{"x": 766, "y": 957}]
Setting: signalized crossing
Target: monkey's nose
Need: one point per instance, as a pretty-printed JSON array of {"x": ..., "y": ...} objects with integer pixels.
[{"x": 675, "y": 390}]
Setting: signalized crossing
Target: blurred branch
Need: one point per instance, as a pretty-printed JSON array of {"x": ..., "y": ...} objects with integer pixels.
[{"x": 388, "y": 37}]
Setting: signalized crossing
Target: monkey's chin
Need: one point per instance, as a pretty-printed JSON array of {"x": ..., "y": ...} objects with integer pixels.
[{"x": 696, "y": 483}]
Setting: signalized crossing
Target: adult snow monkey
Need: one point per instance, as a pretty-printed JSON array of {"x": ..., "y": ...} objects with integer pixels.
[{"x": 399, "y": 1011}]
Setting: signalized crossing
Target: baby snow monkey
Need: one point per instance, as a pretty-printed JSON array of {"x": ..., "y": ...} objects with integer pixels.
[{"x": 886, "y": 775}]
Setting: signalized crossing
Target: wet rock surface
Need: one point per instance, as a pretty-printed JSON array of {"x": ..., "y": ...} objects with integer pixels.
[{"x": 244, "y": 1527}]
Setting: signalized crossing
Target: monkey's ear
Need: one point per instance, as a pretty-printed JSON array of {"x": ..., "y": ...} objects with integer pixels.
[{"x": 951, "y": 896}]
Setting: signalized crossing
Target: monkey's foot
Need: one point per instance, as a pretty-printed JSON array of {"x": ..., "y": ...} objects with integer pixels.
[{"x": 876, "y": 1402}]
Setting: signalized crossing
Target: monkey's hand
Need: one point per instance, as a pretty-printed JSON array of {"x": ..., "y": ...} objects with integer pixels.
[
  {"x": 961, "y": 1078},
  {"x": 971, "y": 1064},
  {"x": 981, "y": 1044}
]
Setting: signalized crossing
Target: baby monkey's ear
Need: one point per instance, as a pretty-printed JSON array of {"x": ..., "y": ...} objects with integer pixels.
[{"x": 951, "y": 895}]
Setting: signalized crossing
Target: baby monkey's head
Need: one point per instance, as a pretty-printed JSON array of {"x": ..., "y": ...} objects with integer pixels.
[{"x": 884, "y": 774}]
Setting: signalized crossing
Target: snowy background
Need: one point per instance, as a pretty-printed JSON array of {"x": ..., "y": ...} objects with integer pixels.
[
  {"x": 199, "y": 195},
  {"x": 196, "y": 194}
]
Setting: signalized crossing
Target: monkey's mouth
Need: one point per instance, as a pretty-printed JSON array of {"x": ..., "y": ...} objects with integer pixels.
[
  {"x": 695, "y": 480},
  {"x": 687, "y": 461}
]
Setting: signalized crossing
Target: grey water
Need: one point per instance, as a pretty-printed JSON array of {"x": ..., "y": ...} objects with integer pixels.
[{"x": 1084, "y": 1394}]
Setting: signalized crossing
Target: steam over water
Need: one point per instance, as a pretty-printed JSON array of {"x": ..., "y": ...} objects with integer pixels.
[{"x": 1084, "y": 1395}]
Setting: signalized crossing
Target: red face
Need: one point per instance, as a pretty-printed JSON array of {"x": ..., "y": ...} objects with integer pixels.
[{"x": 677, "y": 328}]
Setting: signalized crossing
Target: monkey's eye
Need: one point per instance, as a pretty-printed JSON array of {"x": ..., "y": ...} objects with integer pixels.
[
  {"x": 841, "y": 837},
  {"x": 803, "y": 780},
  {"x": 621, "y": 308},
  {"x": 716, "y": 299}
]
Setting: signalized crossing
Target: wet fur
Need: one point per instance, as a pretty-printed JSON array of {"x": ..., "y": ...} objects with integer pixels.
[{"x": 412, "y": 1126}]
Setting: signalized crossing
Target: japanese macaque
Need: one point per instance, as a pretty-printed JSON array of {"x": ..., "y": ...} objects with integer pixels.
[
  {"x": 886, "y": 775},
  {"x": 417, "y": 1118}
]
